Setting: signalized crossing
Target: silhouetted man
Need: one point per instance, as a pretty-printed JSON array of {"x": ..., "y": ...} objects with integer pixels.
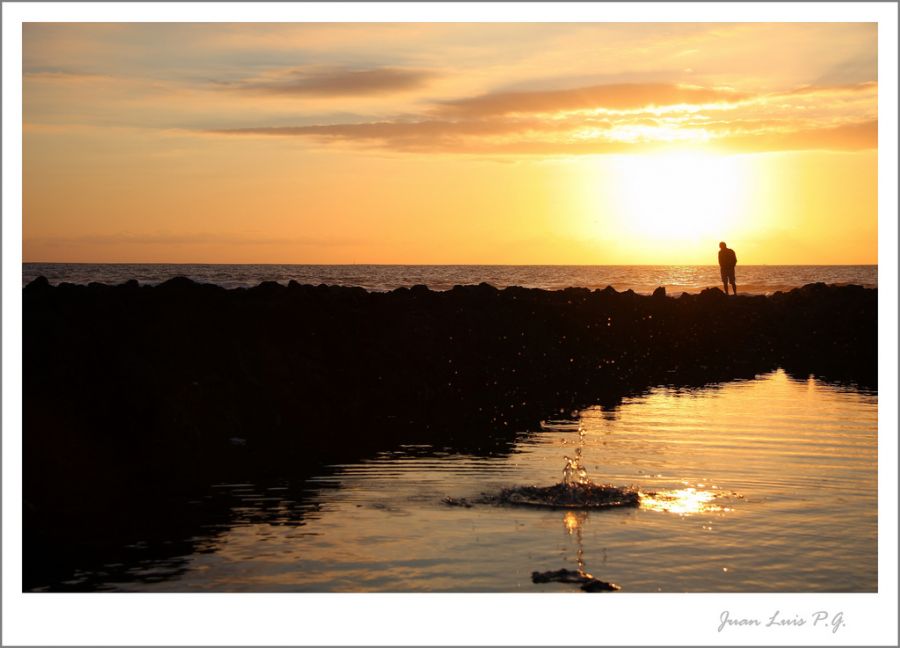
[{"x": 727, "y": 261}]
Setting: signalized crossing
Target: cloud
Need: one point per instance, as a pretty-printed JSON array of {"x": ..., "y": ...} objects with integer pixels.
[
  {"x": 633, "y": 118},
  {"x": 623, "y": 96},
  {"x": 846, "y": 137},
  {"x": 196, "y": 238},
  {"x": 62, "y": 75},
  {"x": 336, "y": 82},
  {"x": 861, "y": 66},
  {"x": 835, "y": 89},
  {"x": 405, "y": 130}
]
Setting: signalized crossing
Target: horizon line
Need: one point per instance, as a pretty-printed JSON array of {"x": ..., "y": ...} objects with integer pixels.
[{"x": 531, "y": 265}]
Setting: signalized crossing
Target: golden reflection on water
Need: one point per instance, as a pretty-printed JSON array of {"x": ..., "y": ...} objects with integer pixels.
[
  {"x": 573, "y": 521},
  {"x": 684, "y": 501}
]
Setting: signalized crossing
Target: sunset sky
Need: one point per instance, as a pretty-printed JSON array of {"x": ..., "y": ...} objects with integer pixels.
[{"x": 582, "y": 143}]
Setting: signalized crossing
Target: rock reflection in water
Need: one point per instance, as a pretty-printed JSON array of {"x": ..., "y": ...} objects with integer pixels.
[{"x": 155, "y": 540}]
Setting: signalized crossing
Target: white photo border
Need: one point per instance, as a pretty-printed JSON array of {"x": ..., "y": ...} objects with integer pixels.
[{"x": 445, "y": 619}]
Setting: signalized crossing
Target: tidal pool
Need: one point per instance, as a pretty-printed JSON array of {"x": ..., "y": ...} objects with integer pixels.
[{"x": 749, "y": 486}]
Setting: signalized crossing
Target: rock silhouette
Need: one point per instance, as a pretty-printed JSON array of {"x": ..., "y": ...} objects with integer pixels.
[{"x": 588, "y": 583}]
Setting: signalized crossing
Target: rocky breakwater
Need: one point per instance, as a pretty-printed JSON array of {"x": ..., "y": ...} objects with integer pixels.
[
  {"x": 184, "y": 377},
  {"x": 156, "y": 388}
]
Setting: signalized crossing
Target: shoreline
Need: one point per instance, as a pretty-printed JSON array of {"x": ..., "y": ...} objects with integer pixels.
[{"x": 643, "y": 279}]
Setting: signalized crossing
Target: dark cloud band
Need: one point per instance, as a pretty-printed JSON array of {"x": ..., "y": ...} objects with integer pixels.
[{"x": 337, "y": 83}]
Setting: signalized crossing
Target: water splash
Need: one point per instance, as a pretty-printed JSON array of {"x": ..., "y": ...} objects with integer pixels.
[
  {"x": 579, "y": 496},
  {"x": 575, "y": 491},
  {"x": 574, "y": 474}
]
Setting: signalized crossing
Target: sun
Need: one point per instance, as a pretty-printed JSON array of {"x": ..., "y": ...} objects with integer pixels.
[{"x": 679, "y": 198}]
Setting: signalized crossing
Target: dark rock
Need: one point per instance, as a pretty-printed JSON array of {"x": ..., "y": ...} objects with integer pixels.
[
  {"x": 598, "y": 585},
  {"x": 560, "y": 576},
  {"x": 712, "y": 294},
  {"x": 457, "y": 501},
  {"x": 588, "y": 583},
  {"x": 815, "y": 288},
  {"x": 177, "y": 284},
  {"x": 268, "y": 288},
  {"x": 38, "y": 284},
  {"x": 659, "y": 292}
]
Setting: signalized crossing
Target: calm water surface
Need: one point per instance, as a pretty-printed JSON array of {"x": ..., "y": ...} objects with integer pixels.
[{"x": 762, "y": 485}]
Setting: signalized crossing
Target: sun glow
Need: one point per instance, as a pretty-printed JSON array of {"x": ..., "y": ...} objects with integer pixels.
[
  {"x": 680, "y": 197},
  {"x": 672, "y": 206}
]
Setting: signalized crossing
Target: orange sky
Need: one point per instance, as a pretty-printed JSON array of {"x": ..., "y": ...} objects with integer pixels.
[{"x": 450, "y": 143}]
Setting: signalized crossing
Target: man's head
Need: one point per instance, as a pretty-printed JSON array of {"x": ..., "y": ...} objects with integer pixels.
[{"x": 722, "y": 245}]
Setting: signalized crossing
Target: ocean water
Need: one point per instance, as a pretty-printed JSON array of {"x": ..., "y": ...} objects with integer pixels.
[
  {"x": 641, "y": 279},
  {"x": 765, "y": 485}
]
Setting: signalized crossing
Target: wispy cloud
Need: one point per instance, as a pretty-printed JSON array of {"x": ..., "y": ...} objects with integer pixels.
[
  {"x": 335, "y": 82},
  {"x": 836, "y": 89},
  {"x": 846, "y": 137},
  {"x": 407, "y": 130},
  {"x": 188, "y": 238},
  {"x": 62, "y": 75},
  {"x": 610, "y": 97}
]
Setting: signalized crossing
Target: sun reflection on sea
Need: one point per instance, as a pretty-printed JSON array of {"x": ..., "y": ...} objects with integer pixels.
[{"x": 683, "y": 501}]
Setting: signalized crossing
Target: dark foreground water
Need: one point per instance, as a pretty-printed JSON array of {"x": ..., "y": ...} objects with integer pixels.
[
  {"x": 641, "y": 279},
  {"x": 761, "y": 485}
]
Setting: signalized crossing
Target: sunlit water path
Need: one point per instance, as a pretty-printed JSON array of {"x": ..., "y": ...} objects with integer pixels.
[{"x": 764, "y": 485}]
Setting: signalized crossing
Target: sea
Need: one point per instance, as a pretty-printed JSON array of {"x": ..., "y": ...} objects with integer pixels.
[{"x": 751, "y": 279}]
